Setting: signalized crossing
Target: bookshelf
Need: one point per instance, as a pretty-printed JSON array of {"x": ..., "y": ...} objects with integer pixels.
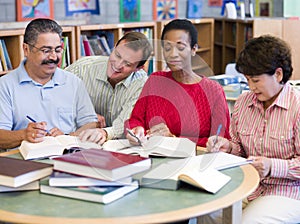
[
  {"x": 231, "y": 35},
  {"x": 13, "y": 40},
  {"x": 14, "y": 43},
  {"x": 117, "y": 31},
  {"x": 205, "y": 28}
]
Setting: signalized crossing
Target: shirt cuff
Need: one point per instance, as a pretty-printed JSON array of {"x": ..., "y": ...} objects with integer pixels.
[
  {"x": 279, "y": 168},
  {"x": 110, "y": 132}
]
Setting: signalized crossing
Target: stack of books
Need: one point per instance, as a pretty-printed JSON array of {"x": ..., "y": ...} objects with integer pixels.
[
  {"x": 20, "y": 175},
  {"x": 94, "y": 175}
]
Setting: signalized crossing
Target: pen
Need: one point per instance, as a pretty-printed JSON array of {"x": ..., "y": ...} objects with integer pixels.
[
  {"x": 218, "y": 133},
  {"x": 34, "y": 121},
  {"x": 133, "y": 135}
]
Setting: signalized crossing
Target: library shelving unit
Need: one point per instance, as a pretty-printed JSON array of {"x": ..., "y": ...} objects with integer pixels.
[
  {"x": 14, "y": 43},
  {"x": 231, "y": 35},
  {"x": 118, "y": 30},
  {"x": 205, "y": 28},
  {"x": 69, "y": 31},
  {"x": 13, "y": 40}
]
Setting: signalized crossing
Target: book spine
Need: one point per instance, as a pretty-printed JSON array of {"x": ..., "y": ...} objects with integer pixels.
[{"x": 6, "y": 55}]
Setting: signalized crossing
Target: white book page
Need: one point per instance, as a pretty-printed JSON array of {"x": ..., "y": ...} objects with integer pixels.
[{"x": 210, "y": 180}]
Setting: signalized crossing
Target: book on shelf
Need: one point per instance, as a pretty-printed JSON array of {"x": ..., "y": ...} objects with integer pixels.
[
  {"x": 6, "y": 55},
  {"x": 2, "y": 57},
  {"x": 100, "y": 164},
  {"x": 98, "y": 194},
  {"x": 1, "y": 67},
  {"x": 82, "y": 51},
  {"x": 109, "y": 37},
  {"x": 35, "y": 185},
  {"x": 17, "y": 172},
  {"x": 155, "y": 146},
  {"x": 62, "y": 179},
  {"x": 96, "y": 46},
  {"x": 201, "y": 171},
  {"x": 64, "y": 58},
  {"x": 86, "y": 45},
  {"x": 52, "y": 146},
  {"x": 105, "y": 45}
]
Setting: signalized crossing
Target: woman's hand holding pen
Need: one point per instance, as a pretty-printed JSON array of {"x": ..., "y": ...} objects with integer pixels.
[
  {"x": 216, "y": 143},
  {"x": 139, "y": 133}
]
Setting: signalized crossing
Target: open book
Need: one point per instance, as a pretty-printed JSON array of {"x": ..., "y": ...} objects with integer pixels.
[
  {"x": 200, "y": 171},
  {"x": 155, "y": 146},
  {"x": 52, "y": 146}
]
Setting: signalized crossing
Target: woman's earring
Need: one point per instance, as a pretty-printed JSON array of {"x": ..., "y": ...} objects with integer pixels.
[{"x": 194, "y": 49}]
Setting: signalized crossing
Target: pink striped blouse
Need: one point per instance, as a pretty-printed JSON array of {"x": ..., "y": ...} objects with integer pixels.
[{"x": 272, "y": 133}]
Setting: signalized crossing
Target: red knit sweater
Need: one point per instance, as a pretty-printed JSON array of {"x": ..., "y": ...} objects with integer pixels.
[{"x": 189, "y": 110}]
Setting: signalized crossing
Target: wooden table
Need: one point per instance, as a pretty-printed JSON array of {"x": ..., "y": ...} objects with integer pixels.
[{"x": 142, "y": 206}]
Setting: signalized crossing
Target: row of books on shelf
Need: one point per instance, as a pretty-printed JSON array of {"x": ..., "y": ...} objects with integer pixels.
[
  {"x": 65, "y": 58},
  {"x": 100, "y": 43},
  {"x": 5, "y": 62},
  {"x": 148, "y": 32}
]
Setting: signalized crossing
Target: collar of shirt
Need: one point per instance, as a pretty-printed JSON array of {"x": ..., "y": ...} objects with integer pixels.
[
  {"x": 126, "y": 82},
  {"x": 57, "y": 79},
  {"x": 282, "y": 99}
]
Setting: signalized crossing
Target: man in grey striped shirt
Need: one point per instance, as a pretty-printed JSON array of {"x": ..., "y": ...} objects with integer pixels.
[{"x": 114, "y": 84}]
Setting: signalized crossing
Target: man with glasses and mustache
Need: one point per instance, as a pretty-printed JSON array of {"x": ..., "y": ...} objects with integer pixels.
[{"x": 55, "y": 99}]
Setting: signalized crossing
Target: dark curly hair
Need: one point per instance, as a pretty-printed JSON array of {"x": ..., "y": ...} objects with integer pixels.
[
  {"x": 181, "y": 24},
  {"x": 263, "y": 55}
]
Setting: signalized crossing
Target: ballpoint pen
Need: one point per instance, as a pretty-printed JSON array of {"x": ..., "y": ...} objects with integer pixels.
[
  {"x": 133, "y": 135},
  {"x": 34, "y": 121},
  {"x": 218, "y": 133}
]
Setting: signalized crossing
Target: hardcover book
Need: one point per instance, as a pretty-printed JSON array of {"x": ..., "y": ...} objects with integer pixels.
[
  {"x": 35, "y": 185},
  {"x": 103, "y": 195},
  {"x": 100, "y": 164},
  {"x": 201, "y": 171},
  {"x": 17, "y": 172},
  {"x": 52, "y": 146},
  {"x": 156, "y": 146},
  {"x": 61, "y": 179}
]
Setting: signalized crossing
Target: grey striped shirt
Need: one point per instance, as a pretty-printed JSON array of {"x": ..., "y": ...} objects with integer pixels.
[{"x": 115, "y": 104}]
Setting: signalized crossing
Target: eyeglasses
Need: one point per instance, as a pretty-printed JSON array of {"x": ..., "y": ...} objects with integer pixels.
[{"x": 48, "y": 50}]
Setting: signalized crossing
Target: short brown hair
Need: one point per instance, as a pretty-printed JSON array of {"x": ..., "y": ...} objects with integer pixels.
[{"x": 137, "y": 41}]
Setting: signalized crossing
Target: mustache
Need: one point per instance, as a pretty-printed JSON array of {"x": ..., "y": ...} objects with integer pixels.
[{"x": 44, "y": 62}]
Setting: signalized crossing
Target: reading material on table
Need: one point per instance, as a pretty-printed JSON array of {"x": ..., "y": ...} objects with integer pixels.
[
  {"x": 17, "y": 172},
  {"x": 35, "y": 185},
  {"x": 100, "y": 164},
  {"x": 52, "y": 146},
  {"x": 61, "y": 179},
  {"x": 200, "y": 171},
  {"x": 103, "y": 195},
  {"x": 155, "y": 146}
]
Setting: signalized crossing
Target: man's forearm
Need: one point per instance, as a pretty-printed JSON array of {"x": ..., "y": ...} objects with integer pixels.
[
  {"x": 87, "y": 126},
  {"x": 11, "y": 139}
]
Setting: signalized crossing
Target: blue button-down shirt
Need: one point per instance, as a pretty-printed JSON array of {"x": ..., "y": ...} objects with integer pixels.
[{"x": 63, "y": 102}]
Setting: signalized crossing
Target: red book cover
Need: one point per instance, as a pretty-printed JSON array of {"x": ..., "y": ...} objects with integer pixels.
[
  {"x": 101, "y": 164},
  {"x": 17, "y": 172}
]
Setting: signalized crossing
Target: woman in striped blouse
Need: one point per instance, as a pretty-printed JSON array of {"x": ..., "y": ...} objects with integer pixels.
[{"x": 265, "y": 127}]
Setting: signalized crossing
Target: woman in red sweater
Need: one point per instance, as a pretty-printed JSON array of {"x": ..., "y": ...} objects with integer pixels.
[{"x": 179, "y": 102}]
